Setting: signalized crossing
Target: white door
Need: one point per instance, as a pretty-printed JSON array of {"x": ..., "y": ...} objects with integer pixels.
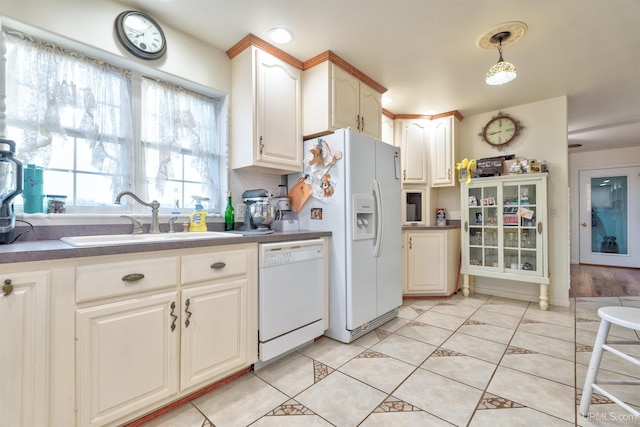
[{"x": 610, "y": 216}]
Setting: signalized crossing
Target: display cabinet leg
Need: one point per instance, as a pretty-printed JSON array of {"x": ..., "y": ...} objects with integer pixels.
[
  {"x": 544, "y": 297},
  {"x": 472, "y": 284},
  {"x": 468, "y": 285}
]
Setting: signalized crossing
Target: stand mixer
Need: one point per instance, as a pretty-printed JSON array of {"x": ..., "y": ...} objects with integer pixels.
[
  {"x": 259, "y": 214},
  {"x": 10, "y": 187}
]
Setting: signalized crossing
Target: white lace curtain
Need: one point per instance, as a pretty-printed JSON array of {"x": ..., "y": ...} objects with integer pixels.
[
  {"x": 53, "y": 94},
  {"x": 181, "y": 141}
]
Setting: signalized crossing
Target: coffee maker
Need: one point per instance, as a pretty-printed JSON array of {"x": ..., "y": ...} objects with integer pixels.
[
  {"x": 10, "y": 187},
  {"x": 259, "y": 214}
]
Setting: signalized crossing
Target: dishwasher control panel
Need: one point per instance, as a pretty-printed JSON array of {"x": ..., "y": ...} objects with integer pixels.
[{"x": 274, "y": 254}]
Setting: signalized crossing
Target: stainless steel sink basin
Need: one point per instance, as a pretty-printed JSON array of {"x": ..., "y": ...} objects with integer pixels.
[{"x": 133, "y": 239}]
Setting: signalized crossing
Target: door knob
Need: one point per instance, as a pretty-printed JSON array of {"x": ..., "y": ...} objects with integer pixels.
[{"x": 584, "y": 224}]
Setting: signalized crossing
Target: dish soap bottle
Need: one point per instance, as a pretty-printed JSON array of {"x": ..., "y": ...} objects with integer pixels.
[
  {"x": 229, "y": 216},
  {"x": 198, "y": 219}
]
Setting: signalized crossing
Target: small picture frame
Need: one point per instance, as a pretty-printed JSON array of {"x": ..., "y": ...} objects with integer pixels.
[
  {"x": 489, "y": 201},
  {"x": 473, "y": 201},
  {"x": 478, "y": 218}
]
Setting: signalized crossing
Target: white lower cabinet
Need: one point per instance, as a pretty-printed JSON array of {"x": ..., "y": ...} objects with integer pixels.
[
  {"x": 24, "y": 373},
  {"x": 126, "y": 357},
  {"x": 431, "y": 259},
  {"x": 158, "y": 326}
]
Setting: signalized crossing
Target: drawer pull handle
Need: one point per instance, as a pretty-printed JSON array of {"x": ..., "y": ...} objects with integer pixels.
[
  {"x": 7, "y": 288},
  {"x": 186, "y": 310},
  {"x": 132, "y": 277},
  {"x": 218, "y": 265},
  {"x": 173, "y": 322}
]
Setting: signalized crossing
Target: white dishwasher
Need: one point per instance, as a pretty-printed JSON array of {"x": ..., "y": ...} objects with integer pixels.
[{"x": 291, "y": 296}]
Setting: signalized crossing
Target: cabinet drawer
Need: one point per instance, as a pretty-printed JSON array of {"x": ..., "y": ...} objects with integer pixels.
[
  {"x": 214, "y": 265},
  {"x": 126, "y": 277}
]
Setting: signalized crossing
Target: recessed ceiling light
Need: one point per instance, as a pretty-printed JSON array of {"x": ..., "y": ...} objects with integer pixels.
[{"x": 280, "y": 35}]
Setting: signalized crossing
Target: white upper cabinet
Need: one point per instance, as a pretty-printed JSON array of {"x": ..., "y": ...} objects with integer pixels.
[
  {"x": 444, "y": 132},
  {"x": 414, "y": 144},
  {"x": 335, "y": 98},
  {"x": 387, "y": 134},
  {"x": 266, "y": 113}
]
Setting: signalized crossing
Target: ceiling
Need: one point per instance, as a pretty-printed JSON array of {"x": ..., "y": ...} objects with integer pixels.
[{"x": 424, "y": 51}]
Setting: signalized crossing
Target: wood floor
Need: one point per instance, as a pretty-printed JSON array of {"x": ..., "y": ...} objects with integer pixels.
[{"x": 598, "y": 281}]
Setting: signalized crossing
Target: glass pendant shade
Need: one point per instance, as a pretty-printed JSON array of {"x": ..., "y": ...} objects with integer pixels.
[{"x": 501, "y": 73}]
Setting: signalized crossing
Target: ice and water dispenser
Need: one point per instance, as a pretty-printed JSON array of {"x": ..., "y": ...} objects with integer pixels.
[{"x": 363, "y": 217}]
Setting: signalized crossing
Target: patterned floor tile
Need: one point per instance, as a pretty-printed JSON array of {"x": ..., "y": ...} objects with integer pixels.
[
  {"x": 331, "y": 352},
  {"x": 406, "y": 349},
  {"x": 431, "y": 368},
  {"x": 477, "y": 347},
  {"x": 382, "y": 372},
  {"x": 290, "y": 375},
  {"x": 240, "y": 402},
  {"x": 534, "y": 392},
  {"x": 425, "y": 333},
  {"x": 442, "y": 397},
  {"x": 468, "y": 370},
  {"x": 341, "y": 400}
]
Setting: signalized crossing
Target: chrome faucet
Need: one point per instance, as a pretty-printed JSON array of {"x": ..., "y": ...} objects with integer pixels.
[{"x": 154, "y": 228}]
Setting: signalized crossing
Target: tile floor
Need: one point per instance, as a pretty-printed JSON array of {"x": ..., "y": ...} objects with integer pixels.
[{"x": 478, "y": 361}]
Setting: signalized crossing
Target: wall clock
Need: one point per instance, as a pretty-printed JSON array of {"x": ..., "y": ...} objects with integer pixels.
[
  {"x": 140, "y": 34},
  {"x": 501, "y": 130}
]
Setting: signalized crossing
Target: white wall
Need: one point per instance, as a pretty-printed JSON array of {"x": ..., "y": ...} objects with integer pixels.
[
  {"x": 620, "y": 157},
  {"x": 543, "y": 137}
]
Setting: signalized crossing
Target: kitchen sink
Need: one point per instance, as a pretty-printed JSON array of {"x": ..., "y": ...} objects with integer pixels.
[{"x": 133, "y": 239}]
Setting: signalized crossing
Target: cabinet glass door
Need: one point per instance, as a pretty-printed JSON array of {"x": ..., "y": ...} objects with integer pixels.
[
  {"x": 483, "y": 227},
  {"x": 520, "y": 235}
]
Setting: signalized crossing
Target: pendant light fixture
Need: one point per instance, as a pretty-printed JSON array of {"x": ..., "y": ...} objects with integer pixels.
[
  {"x": 502, "y": 72},
  {"x": 498, "y": 37}
]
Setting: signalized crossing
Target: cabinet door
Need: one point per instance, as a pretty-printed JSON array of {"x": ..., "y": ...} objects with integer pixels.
[
  {"x": 23, "y": 349},
  {"x": 127, "y": 357},
  {"x": 214, "y": 331},
  {"x": 522, "y": 235},
  {"x": 426, "y": 262},
  {"x": 414, "y": 144},
  {"x": 370, "y": 111},
  {"x": 279, "y": 131},
  {"x": 346, "y": 99},
  {"x": 387, "y": 134},
  {"x": 441, "y": 153}
]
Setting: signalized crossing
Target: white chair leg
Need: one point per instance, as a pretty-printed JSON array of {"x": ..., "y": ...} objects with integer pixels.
[{"x": 594, "y": 365}]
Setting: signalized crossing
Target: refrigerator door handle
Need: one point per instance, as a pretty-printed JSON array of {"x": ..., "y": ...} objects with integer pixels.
[{"x": 377, "y": 194}]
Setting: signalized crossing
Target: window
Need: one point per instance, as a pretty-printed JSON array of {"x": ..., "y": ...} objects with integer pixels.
[
  {"x": 75, "y": 117},
  {"x": 181, "y": 147}
]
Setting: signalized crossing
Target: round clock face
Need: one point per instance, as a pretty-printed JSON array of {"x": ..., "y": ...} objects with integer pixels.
[
  {"x": 500, "y": 131},
  {"x": 140, "y": 35}
]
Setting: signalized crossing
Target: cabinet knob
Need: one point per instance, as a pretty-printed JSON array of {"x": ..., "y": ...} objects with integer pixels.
[
  {"x": 540, "y": 227},
  {"x": 584, "y": 224},
  {"x": 218, "y": 265},
  {"x": 410, "y": 243},
  {"x": 449, "y": 173},
  {"x": 7, "y": 288}
]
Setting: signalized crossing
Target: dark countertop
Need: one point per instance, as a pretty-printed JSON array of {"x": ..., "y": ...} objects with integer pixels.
[
  {"x": 451, "y": 224},
  {"x": 43, "y": 250}
]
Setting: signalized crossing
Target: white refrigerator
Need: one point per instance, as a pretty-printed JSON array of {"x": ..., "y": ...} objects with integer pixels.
[{"x": 356, "y": 185}]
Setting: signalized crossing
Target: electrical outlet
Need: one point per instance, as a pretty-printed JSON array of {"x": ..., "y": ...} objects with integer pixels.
[{"x": 240, "y": 211}]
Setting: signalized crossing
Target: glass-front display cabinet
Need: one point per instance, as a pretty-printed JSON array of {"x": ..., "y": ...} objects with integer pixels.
[{"x": 504, "y": 230}]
